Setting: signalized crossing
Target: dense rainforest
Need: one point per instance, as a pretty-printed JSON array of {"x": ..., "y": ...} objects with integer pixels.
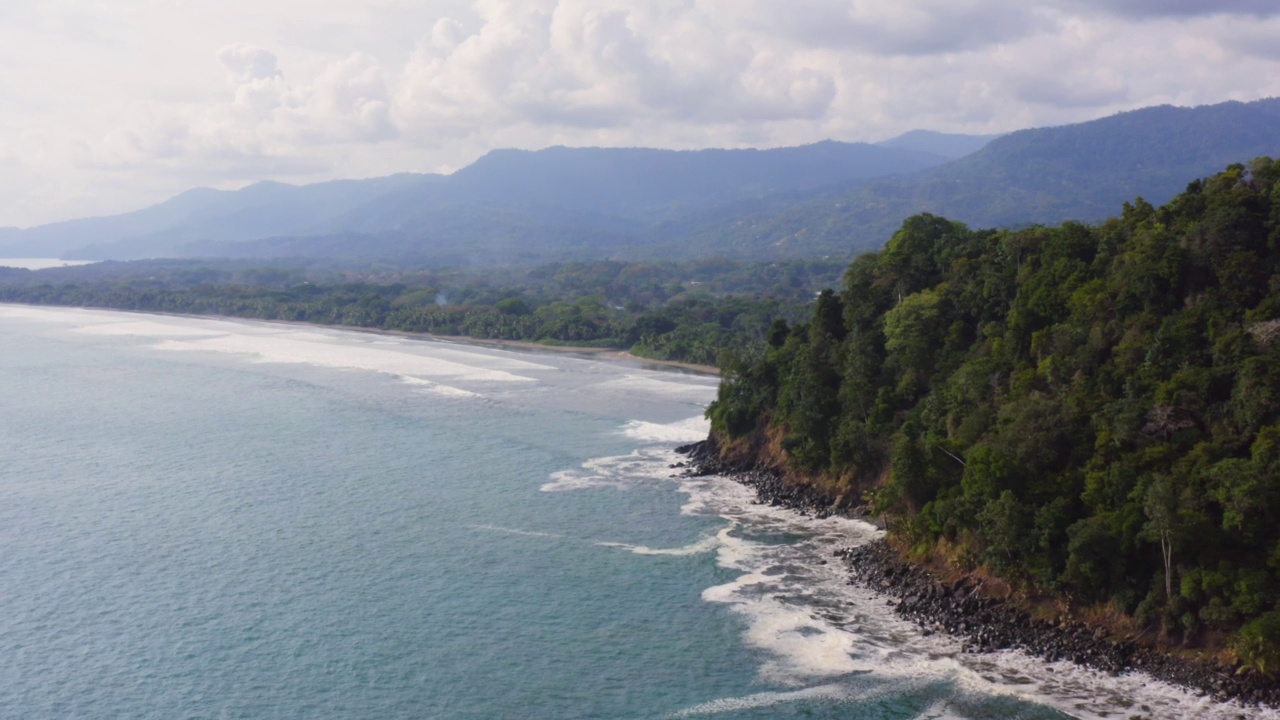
[
  {"x": 1090, "y": 413},
  {"x": 688, "y": 312}
]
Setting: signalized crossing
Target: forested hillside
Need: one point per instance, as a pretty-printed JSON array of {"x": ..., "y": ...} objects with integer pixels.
[
  {"x": 1049, "y": 175},
  {"x": 1090, "y": 412},
  {"x": 509, "y": 207},
  {"x": 950, "y": 145},
  {"x": 688, "y": 312}
]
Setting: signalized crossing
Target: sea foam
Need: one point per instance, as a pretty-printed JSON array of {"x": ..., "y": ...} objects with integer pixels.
[
  {"x": 619, "y": 472},
  {"x": 700, "y": 392},
  {"x": 683, "y": 431},
  {"x": 762, "y": 700},
  {"x": 146, "y": 328},
  {"x": 277, "y": 343},
  {"x": 284, "y": 349},
  {"x": 813, "y": 627},
  {"x": 706, "y": 544}
]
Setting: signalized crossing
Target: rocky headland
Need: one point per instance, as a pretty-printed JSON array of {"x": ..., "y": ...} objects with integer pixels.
[{"x": 962, "y": 608}]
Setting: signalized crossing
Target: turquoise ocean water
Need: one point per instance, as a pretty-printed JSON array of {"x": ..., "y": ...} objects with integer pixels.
[{"x": 217, "y": 519}]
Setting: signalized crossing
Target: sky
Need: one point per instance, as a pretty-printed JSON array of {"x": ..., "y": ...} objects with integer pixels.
[{"x": 113, "y": 105}]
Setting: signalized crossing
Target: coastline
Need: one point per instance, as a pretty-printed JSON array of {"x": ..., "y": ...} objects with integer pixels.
[
  {"x": 983, "y": 622},
  {"x": 520, "y": 345},
  {"x": 516, "y": 345}
]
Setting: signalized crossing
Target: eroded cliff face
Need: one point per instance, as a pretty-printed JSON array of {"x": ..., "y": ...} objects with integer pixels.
[
  {"x": 761, "y": 465},
  {"x": 763, "y": 452}
]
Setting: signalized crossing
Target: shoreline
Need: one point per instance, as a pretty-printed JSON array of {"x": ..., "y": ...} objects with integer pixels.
[
  {"x": 982, "y": 623},
  {"x": 517, "y": 345},
  {"x": 514, "y": 345}
]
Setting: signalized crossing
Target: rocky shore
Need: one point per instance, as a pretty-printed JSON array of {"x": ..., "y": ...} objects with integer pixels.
[
  {"x": 984, "y": 624},
  {"x": 771, "y": 488}
]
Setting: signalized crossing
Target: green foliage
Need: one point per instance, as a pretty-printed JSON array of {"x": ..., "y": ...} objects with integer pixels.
[
  {"x": 986, "y": 473},
  {"x": 691, "y": 312},
  {"x": 513, "y": 306},
  {"x": 1092, "y": 409},
  {"x": 1005, "y": 526},
  {"x": 1257, "y": 645}
]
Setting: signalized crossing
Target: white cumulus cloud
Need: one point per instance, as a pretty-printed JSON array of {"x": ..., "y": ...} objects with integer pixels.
[
  {"x": 112, "y": 110},
  {"x": 246, "y": 63}
]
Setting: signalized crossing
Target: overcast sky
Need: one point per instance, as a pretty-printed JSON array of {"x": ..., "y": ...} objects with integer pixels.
[{"x": 111, "y": 105}]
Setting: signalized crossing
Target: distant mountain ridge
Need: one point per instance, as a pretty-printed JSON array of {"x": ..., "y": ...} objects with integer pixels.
[
  {"x": 948, "y": 145},
  {"x": 1039, "y": 176},
  {"x": 825, "y": 199},
  {"x": 507, "y": 201},
  {"x": 260, "y": 210}
]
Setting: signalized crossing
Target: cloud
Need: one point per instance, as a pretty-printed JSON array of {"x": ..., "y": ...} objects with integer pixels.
[
  {"x": 350, "y": 99},
  {"x": 196, "y": 93},
  {"x": 265, "y": 120},
  {"x": 1183, "y": 8},
  {"x": 911, "y": 27},
  {"x": 602, "y": 65},
  {"x": 1086, "y": 90},
  {"x": 246, "y": 63}
]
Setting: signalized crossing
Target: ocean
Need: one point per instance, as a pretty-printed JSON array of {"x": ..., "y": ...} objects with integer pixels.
[
  {"x": 207, "y": 518},
  {"x": 41, "y": 263}
]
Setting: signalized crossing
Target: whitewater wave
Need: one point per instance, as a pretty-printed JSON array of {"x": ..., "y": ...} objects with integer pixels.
[
  {"x": 65, "y": 316},
  {"x": 704, "y": 545},
  {"x": 684, "y": 431},
  {"x": 495, "y": 359},
  {"x": 145, "y": 328},
  {"x": 812, "y": 626},
  {"x": 288, "y": 348},
  {"x": 695, "y": 391},
  {"x": 434, "y": 388},
  {"x": 644, "y": 465},
  {"x": 514, "y": 531},
  {"x": 619, "y": 471},
  {"x": 763, "y": 700},
  {"x": 800, "y": 610}
]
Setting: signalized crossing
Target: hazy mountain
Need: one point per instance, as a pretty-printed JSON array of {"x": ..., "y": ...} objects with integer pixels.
[
  {"x": 514, "y": 206},
  {"x": 948, "y": 145},
  {"x": 1047, "y": 175},
  {"x": 260, "y": 210},
  {"x": 509, "y": 201}
]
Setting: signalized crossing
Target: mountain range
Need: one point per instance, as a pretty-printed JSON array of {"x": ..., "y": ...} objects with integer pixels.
[
  {"x": 829, "y": 198},
  {"x": 509, "y": 204},
  {"x": 1040, "y": 176}
]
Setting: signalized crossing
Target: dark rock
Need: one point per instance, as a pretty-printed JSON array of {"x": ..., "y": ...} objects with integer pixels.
[
  {"x": 982, "y": 624},
  {"x": 987, "y": 624},
  {"x": 770, "y": 486}
]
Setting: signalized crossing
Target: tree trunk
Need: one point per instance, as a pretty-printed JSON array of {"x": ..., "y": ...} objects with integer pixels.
[{"x": 1166, "y": 550}]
